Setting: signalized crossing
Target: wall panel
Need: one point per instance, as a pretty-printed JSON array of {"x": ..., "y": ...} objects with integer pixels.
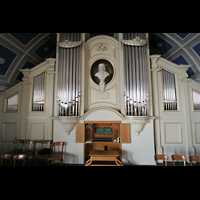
[
  {"x": 197, "y": 132},
  {"x": 172, "y": 133},
  {"x": 36, "y": 130},
  {"x": 9, "y": 131}
]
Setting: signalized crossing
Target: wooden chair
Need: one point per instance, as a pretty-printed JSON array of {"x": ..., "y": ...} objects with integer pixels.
[
  {"x": 6, "y": 157},
  {"x": 17, "y": 150},
  {"x": 29, "y": 152},
  {"x": 179, "y": 157},
  {"x": 56, "y": 155},
  {"x": 44, "y": 153},
  {"x": 194, "y": 158},
  {"x": 19, "y": 157},
  {"x": 161, "y": 157}
]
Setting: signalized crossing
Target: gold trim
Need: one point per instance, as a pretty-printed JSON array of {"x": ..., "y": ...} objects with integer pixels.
[
  {"x": 45, "y": 88},
  {"x": 195, "y": 132},
  {"x": 29, "y": 129},
  {"x": 165, "y": 134},
  {"x": 177, "y": 90},
  {"x": 2, "y": 133}
]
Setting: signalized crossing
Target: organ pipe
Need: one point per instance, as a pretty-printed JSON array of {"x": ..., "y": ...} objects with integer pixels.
[
  {"x": 68, "y": 97},
  {"x": 136, "y": 74},
  {"x": 169, "y": 90}
]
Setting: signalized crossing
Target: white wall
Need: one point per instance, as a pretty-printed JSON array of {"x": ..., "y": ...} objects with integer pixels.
[
  {"x": 175, "y": 130},
  {"x": 26, "y": 124},
  {"x": 73, "y": 152},
  {"x": 140, "y": 151}
]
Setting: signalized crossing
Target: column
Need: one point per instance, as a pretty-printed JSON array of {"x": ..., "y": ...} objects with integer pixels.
[
  {"x": 155, "y": 69},
  {"x": 50, "y": 95},
  {"x": 183, "y": 82}
]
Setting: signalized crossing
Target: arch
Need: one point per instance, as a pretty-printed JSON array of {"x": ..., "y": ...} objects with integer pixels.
[{"x": 102, "y": 113}]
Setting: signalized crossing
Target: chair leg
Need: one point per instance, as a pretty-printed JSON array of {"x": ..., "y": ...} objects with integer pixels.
[
  {"x": 23, "y": 162},
  {"x": 35, "y": 161},
  {"x": 10, "y": 162}
]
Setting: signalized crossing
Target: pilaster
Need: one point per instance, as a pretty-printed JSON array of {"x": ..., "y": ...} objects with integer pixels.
[
  {"x": 50, "y": 95},
  {"x": 155, "y": 68},
  {"x": 183, "y": 84},
  {"x": 25, "y": 102}
]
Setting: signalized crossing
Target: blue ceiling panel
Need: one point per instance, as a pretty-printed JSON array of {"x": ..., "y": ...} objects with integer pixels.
[
  {"x": 180, "y": 60},
  {"x": 7, "y": 57},
  {"x": 45, "y": 49},
  {"x": 197, "y": 49},
  {"x": 24, "y": 38},
  {"x": 159, "y": 44},
  {"x": 190, "y": 72},
  {"x": 182, "y": 35}
]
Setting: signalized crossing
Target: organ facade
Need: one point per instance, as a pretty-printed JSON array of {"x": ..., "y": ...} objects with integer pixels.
[{"x": 104, "y": 93}]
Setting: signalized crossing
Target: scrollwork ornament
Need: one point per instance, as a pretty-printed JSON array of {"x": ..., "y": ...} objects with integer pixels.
[
  {"x": 135, "y": 42},
  {"x": 69, "y": 44}
]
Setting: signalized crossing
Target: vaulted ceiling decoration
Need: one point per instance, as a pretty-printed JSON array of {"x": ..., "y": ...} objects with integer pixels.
[
  {"x": 25, "y": 50},
  {"x": 180, "y": 48}
]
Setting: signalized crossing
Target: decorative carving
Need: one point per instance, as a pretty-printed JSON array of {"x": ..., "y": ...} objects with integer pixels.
[
  {"x": 102, "y": 74},
  {"x": 68, "y": 123},
  {"x": 102, "y": 48},
  {"x": 138, "y": 123},
  {"x": 154, "y": 59},
  {"x": 26, "y": 77},
  {"x": 182, "y": 75},
  {"x": 135, "y": 42},
  {"x": 69, "y": 44},
  {"x": 102, "y": 95}
]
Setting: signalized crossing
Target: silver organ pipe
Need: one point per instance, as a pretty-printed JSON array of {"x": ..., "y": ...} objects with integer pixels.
[
  {"x": 68, "y": 87},
  {"x": 38, "y": 92},
  {"x": 169, "y": 90},
  {"x": 136, "y": 75},
  {"x": 196, "y": 100}
]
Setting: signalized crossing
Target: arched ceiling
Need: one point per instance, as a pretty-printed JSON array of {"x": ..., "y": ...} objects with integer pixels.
[
  {"x": 25, "y": 50},
  {"x": 180, "y": 48}
]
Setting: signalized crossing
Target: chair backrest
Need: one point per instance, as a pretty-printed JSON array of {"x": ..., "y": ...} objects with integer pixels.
[
  {"x": 58, "y": 144},
  {"x": 6, "y": 157},
  {"x": 28, "y": 142},
  {"x": 160, "y": 157},
  {"x": 18, "y": 142},
  {"x": 19, "y": 157},
  {"x": 179, "y": 157},
  {"x": 194, "y": 158},
  {"x": 47, "y": 142}
]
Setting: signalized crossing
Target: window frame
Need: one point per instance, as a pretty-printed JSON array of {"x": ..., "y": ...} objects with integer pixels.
[
  {"x": 32, "y": 91},
  {"x": 6, "y": 103},
  {"x": 176, "y": 89},
  {"x": 193, "y": 99}
]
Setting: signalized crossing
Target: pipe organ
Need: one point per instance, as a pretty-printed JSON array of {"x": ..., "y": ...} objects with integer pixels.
[
  {"x": 105, "y": 93},
  {"x": 69, "y": 61},
  {"x": 169, "y": 90},
  {"x": 136, "y": 85}
]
